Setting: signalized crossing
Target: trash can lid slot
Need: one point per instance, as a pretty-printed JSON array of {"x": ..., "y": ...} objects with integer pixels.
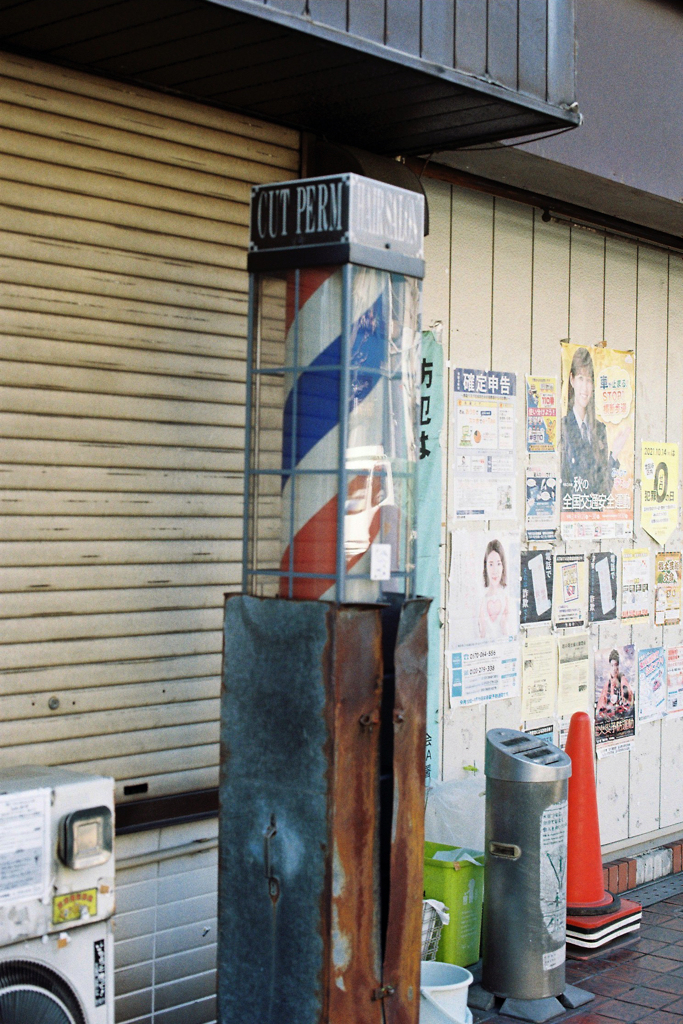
[{"x": 518, "y": 757}]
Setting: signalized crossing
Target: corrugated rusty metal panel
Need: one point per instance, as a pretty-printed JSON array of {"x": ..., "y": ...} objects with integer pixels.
[
  {"x": 402, "y": 953},
  {"x": 274, "y": 788},
  {"x": 298, "y": 933},
  {"x": 357, "y": 679}
]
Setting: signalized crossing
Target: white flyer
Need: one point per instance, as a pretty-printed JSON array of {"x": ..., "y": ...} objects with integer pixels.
[
  {"x": 487, "y": 672},
  {"x": 484, "y": 434},
  {"x": 635, "y": 583},
  {"x": 573, "y": 684},
  {"x": 539, "y": 677},
  {"x": 553, "y": 865},
  {"x": 24, "y": 845},
  {"x": 674, "y": 680}
]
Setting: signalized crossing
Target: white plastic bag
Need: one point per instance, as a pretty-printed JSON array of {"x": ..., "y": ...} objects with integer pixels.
[{"x": 455, "y": 811}]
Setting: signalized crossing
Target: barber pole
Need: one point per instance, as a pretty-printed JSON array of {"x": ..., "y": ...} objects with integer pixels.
[
  {"x": 311, "y": 421},
  {"x": 332, "y": 389}
]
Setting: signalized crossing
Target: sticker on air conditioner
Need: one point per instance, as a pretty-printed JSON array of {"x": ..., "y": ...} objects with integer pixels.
[{"x": 73, "y": 906}]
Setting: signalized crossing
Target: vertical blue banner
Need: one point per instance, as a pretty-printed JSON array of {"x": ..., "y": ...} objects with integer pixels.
[{"x": 429, "y": 514}]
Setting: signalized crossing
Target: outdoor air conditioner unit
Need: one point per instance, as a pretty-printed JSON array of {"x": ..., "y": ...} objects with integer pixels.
[{"x": 56, "y": 897}]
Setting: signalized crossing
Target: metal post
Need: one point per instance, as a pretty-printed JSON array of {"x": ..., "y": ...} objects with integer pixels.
[
  {"x": 295, "y": 409},
  {"x": 345, "y": 362},
  {"x": 247, "y": 435}
]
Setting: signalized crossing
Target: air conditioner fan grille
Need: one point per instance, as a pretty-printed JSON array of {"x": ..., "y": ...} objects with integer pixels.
[{"x": 31, "y": 991}]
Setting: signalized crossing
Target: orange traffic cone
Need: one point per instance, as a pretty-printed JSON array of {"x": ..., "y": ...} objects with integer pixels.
[{"x": 595, "y": 917}]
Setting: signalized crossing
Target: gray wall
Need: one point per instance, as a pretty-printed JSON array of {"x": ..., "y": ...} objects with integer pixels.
[
  {"x": 630, "y": 92},
  {"x": 626, "y": 159}
]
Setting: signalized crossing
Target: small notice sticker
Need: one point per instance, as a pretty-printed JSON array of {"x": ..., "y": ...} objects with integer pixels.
[
  {"x": 70, "y": 906},
  {"x": 554, "y": 959},
  {"x": 380, "y": 562},
  {"x": 100, "y": 973}
]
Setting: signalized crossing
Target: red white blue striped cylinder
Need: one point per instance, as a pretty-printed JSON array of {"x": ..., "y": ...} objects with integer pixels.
[{"x": 311, "y": 425}]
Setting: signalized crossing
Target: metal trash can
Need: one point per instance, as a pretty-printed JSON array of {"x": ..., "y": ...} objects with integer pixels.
[{"x": 524, "y": 919}]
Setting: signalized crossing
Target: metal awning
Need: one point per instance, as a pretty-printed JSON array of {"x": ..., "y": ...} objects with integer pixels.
[{"x": 390, "y": 76}]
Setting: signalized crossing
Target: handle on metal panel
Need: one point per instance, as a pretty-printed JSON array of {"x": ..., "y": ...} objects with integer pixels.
[
  {"x": 267, "y": 836},
  {"x": 273, "y": 882},
  {"x": 508, "y": 851}
]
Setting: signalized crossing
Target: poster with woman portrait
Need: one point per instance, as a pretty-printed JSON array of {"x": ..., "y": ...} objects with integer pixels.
[
  {"x": 598, "y": 389},
  {"x": 483, "y": 601}
]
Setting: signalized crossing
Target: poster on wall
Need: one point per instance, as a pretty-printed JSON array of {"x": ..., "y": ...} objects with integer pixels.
[
  {"x": 598, "y": 387},
  {"x": 427, "y": 567},
  {"x": 652, "y": 696},
  {"x": 674, "y": 680},
  {"x": 573, "y": 691},
  {"x": 602, "y": 586},
  {"x": 659, "y": 490},
  {"x": 484, "y": 434},
  {"x": 484, "y": 672},
  {"x": 541, "y": 414},
  {"x": 544, "y": 732},
  {"x": 536, "y": 587},
  {"x": 541, "y": 503},
  {"x": 615, "y": 709},
  {"x": 635, "y": 583},
  {"x": 667, "y": 588},
  {"x": 570, "y": 591},
  {"x": 539, "y": 677},
  {"x": 483, "y": 600}
]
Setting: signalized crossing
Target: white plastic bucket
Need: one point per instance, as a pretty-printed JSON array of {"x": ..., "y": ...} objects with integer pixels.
[{"x": 443, "y": 993}]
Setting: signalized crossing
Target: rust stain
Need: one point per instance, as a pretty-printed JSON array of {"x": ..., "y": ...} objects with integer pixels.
[
  {"x": 402, "y": 954},
  {"x": 355, "y": 969}
]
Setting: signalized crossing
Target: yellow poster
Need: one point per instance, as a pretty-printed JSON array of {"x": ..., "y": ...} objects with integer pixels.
[
  {"x": 73, "y": 906},
  {"x": 667, "y": 588},
  {"x": 598, "y": 386},
  {"x": 659, "y": 490}
]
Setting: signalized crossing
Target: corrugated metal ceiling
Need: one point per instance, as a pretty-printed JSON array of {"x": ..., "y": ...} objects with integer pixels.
[{"x": 264, "y": 66}]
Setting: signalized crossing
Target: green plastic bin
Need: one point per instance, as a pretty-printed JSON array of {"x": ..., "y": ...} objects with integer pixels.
[{"x": 460, "y": 885}]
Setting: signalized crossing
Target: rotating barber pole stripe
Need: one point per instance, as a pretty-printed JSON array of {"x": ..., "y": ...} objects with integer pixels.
[{"x": 310, "y": 435}]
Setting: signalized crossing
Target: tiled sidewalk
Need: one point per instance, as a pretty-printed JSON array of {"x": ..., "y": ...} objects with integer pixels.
[{"x": 641, "y": 982}]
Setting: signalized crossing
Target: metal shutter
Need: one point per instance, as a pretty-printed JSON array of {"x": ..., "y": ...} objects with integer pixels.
[{"x": 123, "y": 234}]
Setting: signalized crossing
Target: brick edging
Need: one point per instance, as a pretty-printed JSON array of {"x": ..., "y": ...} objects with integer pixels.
[{"x": 629, "y": 872}]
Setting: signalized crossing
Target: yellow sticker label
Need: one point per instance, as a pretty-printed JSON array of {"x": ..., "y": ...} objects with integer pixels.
[{"x": 69, "y": 906}]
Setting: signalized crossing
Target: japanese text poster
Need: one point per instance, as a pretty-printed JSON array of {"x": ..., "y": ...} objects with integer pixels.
[
  {"x": 615, "y": 710},
  {"x": 483, "y": 673},
  {"x": 541, "y": 503},
  {"x": 570, "y": 591},
  {"x": 541, "y": 414},
  {"x": 674, "y": 680},
  {"x": 483, "y": 587},
  {"x": 652, "y": 695},
  {"x": 545, "y": 732},
  {"x": 484, "y": 432},
  {"x": 539, "y": 677},
  {"x": 667, "y": 588},
  {"x": 635, "y": 583},
  {"x": 602, "y": 586},
  {"x": 573, "y": 693},
  {"x": 536, "y": 586},
  {"x": 597, "y": 442},
  {"x": 659, "y": 490}
]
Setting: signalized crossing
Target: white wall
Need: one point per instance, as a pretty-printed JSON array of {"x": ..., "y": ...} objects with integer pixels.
[{"x": 508, "y": 287}]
